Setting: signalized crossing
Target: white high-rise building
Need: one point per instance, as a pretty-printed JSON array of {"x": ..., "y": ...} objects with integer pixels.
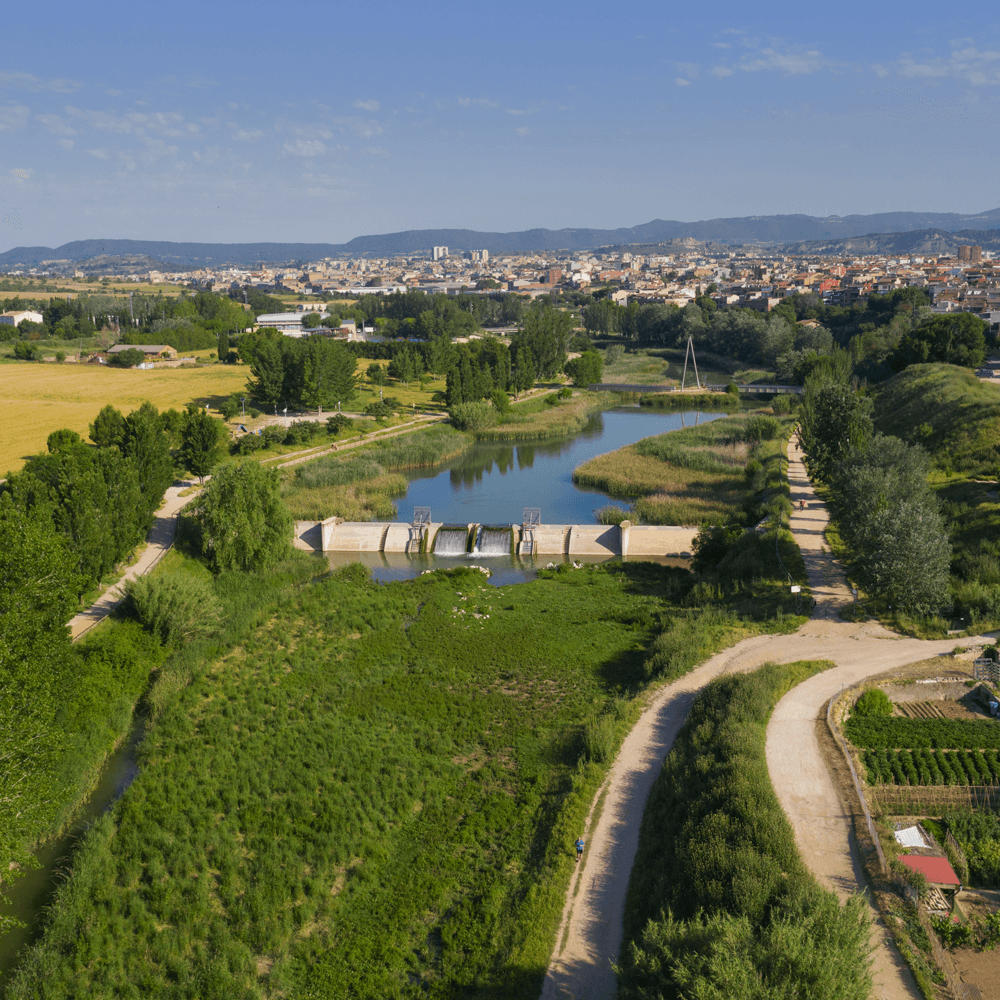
[{"x": 439, "y": 252}]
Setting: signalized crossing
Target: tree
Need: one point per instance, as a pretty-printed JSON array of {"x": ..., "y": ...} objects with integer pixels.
[
  {"x": 245, "y": 526},
  {"x": 312, "y": 320},
  {"x": 376, "y": 374},
  {"x": 546, "y": 333},
  {"x": 523, "y": 368},
  {"x": 145, "y": 443},
  {"x": 586, "y": 369},
  {"x": 25, "y": 351},
  {"x": 326, "y": 373},
  {"x": 267, "y": 368},
  {"x": 64, "y": 440},
  {"x": 229, "y": 408},
  {"x": 224, "y": 347},
  {"x": 954, "y": 339},
  {"x": 201, "y": 442},
  {"x": 835, "y": 420},
  {"x": 128, "y": 359}
]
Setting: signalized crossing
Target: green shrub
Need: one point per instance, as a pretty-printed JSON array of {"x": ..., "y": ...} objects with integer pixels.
[
  {"x": 250, "y": 443},
  {"x": 733, "y": 389},
  {"x": 172, "y": 606},
  {"x": 611, "y": 514},
  {"x": 378, "y": 409},
  {"x": 501, "y": 401},
  {"x": 873, "y": 702},
  {"x": 473, "y": 416},
  {"x": 760, "y": 427},
  {"x": 600, "y": 739},
  {"x": 565, "y": 392}
]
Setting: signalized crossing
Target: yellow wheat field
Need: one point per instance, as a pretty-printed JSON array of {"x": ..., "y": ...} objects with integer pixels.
[{"x": 36, "y": 399}]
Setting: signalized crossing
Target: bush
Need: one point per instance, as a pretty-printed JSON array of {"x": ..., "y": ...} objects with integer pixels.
[
  {"x": 500, "y": 400},
  {"x": 565, "y": 392},
  {"x": 873, "y": 702},
  {"x": 991, "y": 653},
  {"x": 378, "y": 409},
  {"x": 229, "y": 408},
  {"x": 273, "y": 434},
  {"x": 611, "y": 514},
  {"x": 25, "y": 351},
  {"x": 760, "y": 427},
  {"x": 128, "y": 359},
  {"x": 250, "y": 443},
  {"x": 174, "y": 607},
  {"x": 254, "y": 412},
  {"x": 473, "y": 416},
  {"x": 337, "y": 423},
  {"x": 733, "y": 389},
  {"x": 784, "y": 404}
]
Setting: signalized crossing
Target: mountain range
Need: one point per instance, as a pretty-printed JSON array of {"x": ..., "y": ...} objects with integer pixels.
[{"x": 846, "y": 234}]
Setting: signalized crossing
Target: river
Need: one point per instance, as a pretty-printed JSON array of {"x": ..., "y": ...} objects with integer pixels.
[{"x": 493, "y": 483}]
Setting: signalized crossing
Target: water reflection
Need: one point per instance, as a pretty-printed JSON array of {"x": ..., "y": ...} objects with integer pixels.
[{"x": 492, "y": 483}]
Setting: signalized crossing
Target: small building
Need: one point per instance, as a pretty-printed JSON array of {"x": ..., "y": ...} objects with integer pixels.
[
  {"x": 150, "y": 350},
  {"x": 938, "y": 872},
  {"x": 16, "y": 318}
]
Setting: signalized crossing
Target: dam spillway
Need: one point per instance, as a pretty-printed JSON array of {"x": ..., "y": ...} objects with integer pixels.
[{"x": 626, "y": 540}]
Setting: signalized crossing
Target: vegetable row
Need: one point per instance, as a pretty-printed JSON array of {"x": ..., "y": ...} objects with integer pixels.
[
  {"x": 945, "y": 734},
  {"x": 932, "y": 767}
]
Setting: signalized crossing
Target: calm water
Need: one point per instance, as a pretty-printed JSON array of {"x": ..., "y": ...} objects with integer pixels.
[{"x": 493, "y": 483}]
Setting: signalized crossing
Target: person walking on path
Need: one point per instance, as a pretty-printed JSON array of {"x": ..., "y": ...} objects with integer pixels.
[{"x": 580, "y": 844}]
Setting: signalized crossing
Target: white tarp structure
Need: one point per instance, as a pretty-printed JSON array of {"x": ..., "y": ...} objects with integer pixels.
[{"x": 910, "y": 837}]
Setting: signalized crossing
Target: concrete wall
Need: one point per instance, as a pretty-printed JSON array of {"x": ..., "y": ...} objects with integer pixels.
[{"x": 627, "y": 540}]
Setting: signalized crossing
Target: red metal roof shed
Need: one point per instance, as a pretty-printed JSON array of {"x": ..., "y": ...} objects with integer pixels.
[{"x": 936, "y": 870}]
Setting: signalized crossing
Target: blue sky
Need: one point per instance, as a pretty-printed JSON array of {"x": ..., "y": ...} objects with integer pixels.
[{"x": 320, "y": 122}]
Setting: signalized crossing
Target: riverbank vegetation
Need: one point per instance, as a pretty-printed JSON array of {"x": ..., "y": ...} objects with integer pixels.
[
  {"x": 709, "y": 472},
  {"x": 361, "y": 485},
  {"x": 694, "y": 401},
  {"x": 719, "y": 902},
  {"x": 381, "y": 785}
]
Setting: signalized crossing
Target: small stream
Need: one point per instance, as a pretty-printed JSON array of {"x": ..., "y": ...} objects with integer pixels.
[{"x": 33, "y": 891}]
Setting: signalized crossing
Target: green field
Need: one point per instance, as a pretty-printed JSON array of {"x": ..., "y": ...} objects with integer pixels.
[
  {"x": 654, "y": 365},
  {"x": 373, "y": 792}
]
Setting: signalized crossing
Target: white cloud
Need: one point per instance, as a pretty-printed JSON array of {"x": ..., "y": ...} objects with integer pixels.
[
  {"x": 305, "y": 147},
  {"x": 21, "y": 173},
  {"x": 366, "y": 130},
  {"x": 476, "y": 102},
  {"x": 27, "y": 81},
  {"x": 367, "y": 105},
  {"x": 688, "y": 70},
  {"x": 721, "y": 45},
  {"x": 56, "y": 125},
  {"x": 378, "y": 151},
  {"x": 101, "y": 154},
  {"x": 722, "y": 71},
  {"x": 681, "y": 82},
  {"x": 797, "y": 63},
  {"x": 66, "y": 143},
  {"x": 979, "y": 67},
  {"x": 13, "y": 116},
  {"x": 246, "y": 135}
]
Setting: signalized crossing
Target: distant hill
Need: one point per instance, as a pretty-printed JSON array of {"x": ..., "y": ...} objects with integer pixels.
[
  {"x": 798, "y": 230},
  {"x": 926, "y": 242}
]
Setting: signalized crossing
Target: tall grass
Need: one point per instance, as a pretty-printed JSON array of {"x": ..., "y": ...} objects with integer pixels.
[
  {"x": 547, "y": 417},
  {"x": 687, "y": 401},
  {"x": 719, "y": 901}
]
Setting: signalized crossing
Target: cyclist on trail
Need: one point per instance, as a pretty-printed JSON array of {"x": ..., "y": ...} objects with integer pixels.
[{"x": 579, "y": 847}]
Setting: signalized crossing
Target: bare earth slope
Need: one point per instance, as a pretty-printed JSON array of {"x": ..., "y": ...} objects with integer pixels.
[{"x": 590, "y": 936}]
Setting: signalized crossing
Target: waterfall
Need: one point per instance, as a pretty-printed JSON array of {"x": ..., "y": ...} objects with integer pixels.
[
  {"x": 493, "y": 542},
  {"x": 451, "y": 542}
]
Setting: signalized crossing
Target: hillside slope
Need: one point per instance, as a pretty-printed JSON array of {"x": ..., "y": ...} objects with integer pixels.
[{"x": 949, "y": 411}]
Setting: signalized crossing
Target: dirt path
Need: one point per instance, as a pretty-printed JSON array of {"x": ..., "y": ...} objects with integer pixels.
[
  {"x": 158, "y": 541},
  {"x": 590, "y": 934}
]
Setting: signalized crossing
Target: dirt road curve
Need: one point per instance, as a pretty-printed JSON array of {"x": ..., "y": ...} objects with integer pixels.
[{"x": 590, "y": 935}]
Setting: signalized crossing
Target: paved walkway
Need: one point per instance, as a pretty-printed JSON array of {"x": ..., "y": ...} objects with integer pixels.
[
  {"x": 590, "y": 934},
  {"x": 158, "y": 541}
]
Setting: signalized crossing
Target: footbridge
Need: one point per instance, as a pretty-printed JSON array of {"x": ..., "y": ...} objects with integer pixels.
[
  {"x": 531, "y": 538},
  {"x": 751, "y": 389}
]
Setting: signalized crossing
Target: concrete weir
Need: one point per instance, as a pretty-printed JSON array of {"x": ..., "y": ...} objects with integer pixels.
[{"x": 630, "y": 541}]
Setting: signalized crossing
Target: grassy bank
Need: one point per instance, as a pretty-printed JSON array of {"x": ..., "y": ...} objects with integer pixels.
[
  {"x": 955, "y": 417},
  {"x": 720, "y": 903},
  {"x": 689, "y": 475},
  {"x": 547, "y": 417},
  {"x": 667, "y": 365},
  {"x": 361, "y": 485},
  {"x": 686, "y": 400}
]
